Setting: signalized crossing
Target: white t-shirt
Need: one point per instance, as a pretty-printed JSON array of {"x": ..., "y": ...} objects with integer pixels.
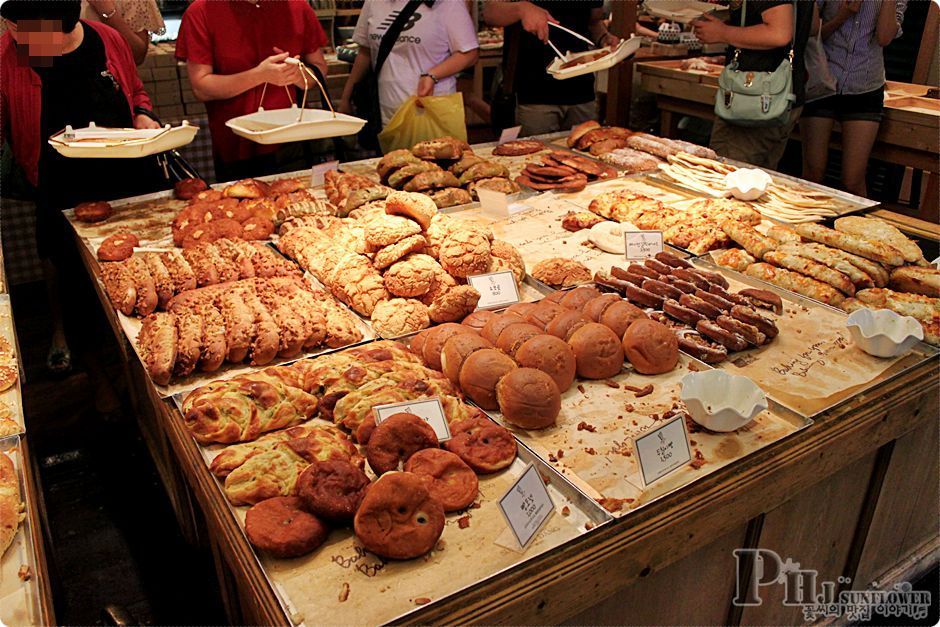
[{"x": 431, "y": 35}]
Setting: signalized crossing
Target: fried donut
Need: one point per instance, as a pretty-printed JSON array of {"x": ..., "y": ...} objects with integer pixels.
[
  {"x": 397, "y": 438},
  {"x": 398, "y": 518},
  {"x": 332, "y": 489},
  {"x": 93, "y": 211},
  {"x": 117, "y": 247},
  {"x": 450, "y": 481},
  {"x": 280, "y": 527},
  {"x": 482, "y": 444}
]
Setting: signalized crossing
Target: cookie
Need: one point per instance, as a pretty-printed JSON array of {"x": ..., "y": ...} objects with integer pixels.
[
  {"x": 398, "y": 518},
  {"x": 396, "y": 439},
  {"x": 280, "y": 527},
  {"x": 412, "y": 276},
  {"x": 399, "y": 316},
  {"x": 390, "y": 254},
  {"x": 332, "y": 489},
  {"x": 93, "y": 211},
  {"x": 482, "y": 444},
  {"x": 464, "y": 253},
  {"x": 117, "y": 247},
  {"x": 450, "y": 481}
]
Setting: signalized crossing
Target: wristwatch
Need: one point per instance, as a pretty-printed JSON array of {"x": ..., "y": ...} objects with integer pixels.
[{"x": 431, "y": 76}]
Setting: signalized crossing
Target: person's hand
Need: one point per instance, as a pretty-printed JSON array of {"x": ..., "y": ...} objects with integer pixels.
[
  {"x": 609, "y": 40},
  {"x": 144, "y": 121},
  {"x": 103, "y": 6},
  {"x": 345, "y": 106},
  {"x": 535, "y": 20},
  {"x": 425, "y": 87},
  {"x": 710, "y": 30},
  {"x": 273, "y": 70},
  {"x": 851, "y": 6}
]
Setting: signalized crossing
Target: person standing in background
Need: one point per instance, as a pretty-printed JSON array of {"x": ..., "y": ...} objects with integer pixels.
[
  {"x": 436, "y": 43},
  {"x": 236, "y": 52},
  {"x": 136, "y": 20},
  {"x": 764, "y": 42},
  {"x": 854, "y": 35},
  {"x": 544, "y": 104}
]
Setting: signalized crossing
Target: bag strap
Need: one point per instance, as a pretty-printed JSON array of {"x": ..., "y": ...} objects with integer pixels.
[
  {"x": 737, "y": 51},
  {"x": 391, "y": 35},
  {"x": 512, "y": 43}
]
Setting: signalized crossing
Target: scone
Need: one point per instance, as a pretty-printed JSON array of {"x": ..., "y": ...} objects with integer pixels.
[
  {"x": 399, "y": 316},
  {"x": 464, "y": 253},
  {"x": 561, "y": 272},
  {"x": 412, "y": 276},
  {"x": 388, "y": 230}
]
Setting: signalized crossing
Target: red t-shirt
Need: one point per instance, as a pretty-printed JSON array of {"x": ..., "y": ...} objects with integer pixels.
[{"x": 234, "y": 36}]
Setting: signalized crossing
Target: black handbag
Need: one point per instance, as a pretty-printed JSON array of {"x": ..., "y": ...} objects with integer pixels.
[
  {"x": 365, "y": 94},
  {"x": 503, "y": 107}
]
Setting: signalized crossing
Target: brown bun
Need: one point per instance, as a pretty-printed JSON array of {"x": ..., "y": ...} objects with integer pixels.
[
  {"x": 282, "y": 528},
  {"x": 398, "y": 518},
  {"x": 579, "y": 297},
  {"x": 416, "y": 345},
  {"x": 495, "y": 326},
  {"x": 434, "y": 342},
  {"x": 651, "y": 347},
  {"x": 597, "y": 351},
  {"x": 619, "y": 316},
  {"x": 521, "y": 309},
  {"x": 478, "y": 319},
  {"x": 567, "y": 323},
  {"x": 595, "y": 307},
  {"x": 92, "y": 211},
  {"x": 457, "y": 349},
  {"x": 188, "y": 188},
  {"x": 554, "y": 297},
  {"x": 449, "y": 480},
  {"x": 397, "y": 438},
  {"x": 480, "y": 373},
  {"x": 529, "y": 398},
  {"x": 482, "y": 444},
  {"x": 515, "y": 335},
  {"x": 543, "y": 313},
  {"x": 552, "y": 356}
]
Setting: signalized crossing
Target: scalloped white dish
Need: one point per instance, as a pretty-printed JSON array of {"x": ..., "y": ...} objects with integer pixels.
[
  {"x": 747, "y": 183},
  {"x": 884, "y": 333},
  {"x": 280, "y": 126},
  {"x": 96, "y": 142},
  {"x": 720, "y": 401}
]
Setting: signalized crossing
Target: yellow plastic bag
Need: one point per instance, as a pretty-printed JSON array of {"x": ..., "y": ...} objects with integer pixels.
[{"x": 438, "y": 116}]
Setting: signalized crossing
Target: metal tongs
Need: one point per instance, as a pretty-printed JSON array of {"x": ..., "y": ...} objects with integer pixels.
[
  {"x": 570, "y": 32},
  {"x": 304, "y": 73}
]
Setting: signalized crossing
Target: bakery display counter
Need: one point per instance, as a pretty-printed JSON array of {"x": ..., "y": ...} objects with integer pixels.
[{"x": 830, "y": 474}]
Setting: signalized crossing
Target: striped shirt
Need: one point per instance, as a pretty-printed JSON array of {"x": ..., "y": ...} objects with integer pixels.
[{"x": 856, "y": 61}]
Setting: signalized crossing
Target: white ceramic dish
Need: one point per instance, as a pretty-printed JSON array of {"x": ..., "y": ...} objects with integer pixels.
[
  {"x": 720, "y": 401},
  {"x": 747, "y": 183},
  {"x": 109, "y": 143},
  {"x": 884, "y": 333},
  {"x": 280, "y": 126},
  {"x": 608, "y": 236},
  {"x": 624, "y": 49}
]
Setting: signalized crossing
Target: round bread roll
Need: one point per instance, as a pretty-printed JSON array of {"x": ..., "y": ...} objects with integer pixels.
[
  {"x": 529, "y": 398},
  {"x": 480, "y": 373},
  {"x": 515, "y": 335},
  {"x": 595, "y": 307},
  {"x": 554, "y": 297},
  {"x": 619, "y": 316},
  {"x": 478, "y": 319},
  {"x": 434, "y": 342},
  {"x": 579, "y": 297},
  {"x": 521, "y": 309},
  {"x": 457, "y": 349},
  {"x": 552, "y": 356},
  {"x": 545, "y": 312},
  {"x": 416, "y": 345},
  {"x": 92, "y": 211},
  {"x": 565, "y": 324},
  {"x": 651, "y": 347},
  {"x": 597, "y": 351},
  {"x": 495, "y": 326}
]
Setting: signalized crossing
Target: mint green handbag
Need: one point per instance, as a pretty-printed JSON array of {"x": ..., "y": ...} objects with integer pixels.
[{"x": 751, "y": 98}]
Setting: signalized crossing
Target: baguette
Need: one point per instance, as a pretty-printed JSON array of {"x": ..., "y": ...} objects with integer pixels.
[
  {"x": 795, "y": 282},
  {"x": 876, "y": 251}
]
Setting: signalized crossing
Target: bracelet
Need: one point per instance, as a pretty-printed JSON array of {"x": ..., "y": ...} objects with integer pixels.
[
  {"x": 431, "y": 76},
  {"x": 147, "y": 112}
]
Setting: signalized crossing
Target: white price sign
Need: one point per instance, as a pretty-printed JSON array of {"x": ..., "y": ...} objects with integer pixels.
[
  {"x": 509, "y": 134},
  {"x": 527, "y": 505},
  {"x": 642, "y": 244},
  {"x": 497, "y": 289},
  {"x": 494, "y": 204},
  {"x": 318, "y": 171},
  {"x": 663, "y": 450},
  {"x": 429, "y": 410}
]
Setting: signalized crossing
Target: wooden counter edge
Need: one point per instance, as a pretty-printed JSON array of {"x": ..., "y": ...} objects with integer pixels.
[{"x": 37, "y": 537}]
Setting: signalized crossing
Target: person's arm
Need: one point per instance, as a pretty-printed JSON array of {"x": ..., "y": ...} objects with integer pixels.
[
  {"x": 210, "y": 86},
  {"x": 503, "y": 13},
  {"x": 776, "y": 30},
  {"x": 360, "y": 66},
  {"x": 317, "y": 59},
  {"x": 448, "y": 67},
  {"x": 598, "y": 29},
  {"x": 139, "y": 41},
  {"x": 848, "y": 9},
  {"x": 889, "y": 22},
  {"x": 816, "y": 23}
]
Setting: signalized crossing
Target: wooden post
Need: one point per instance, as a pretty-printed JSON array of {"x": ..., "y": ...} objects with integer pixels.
[{"x": 620, "y": 77}]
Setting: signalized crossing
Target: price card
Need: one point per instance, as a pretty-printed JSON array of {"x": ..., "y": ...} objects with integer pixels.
[
  {"x": 663, "y": 450},
  {"x": 493, "y": 203},
  {"x": 642, "y": 244},
  {"x": 497, "y": 289},
  {"x": 318, "y": 171},
  {"x": 429, "y": 410},
  {"x": 527, "y": 505},
  {"x": 509, "y": 134}
]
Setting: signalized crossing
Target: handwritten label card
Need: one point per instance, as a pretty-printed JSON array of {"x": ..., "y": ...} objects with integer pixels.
[
  {"x": 509, "y": 134},
  {"x": 493, "y": 203},
  {"x": 497, "y": 289},
  {"x": 663, "y": 450},
  {"x": 318, "y": 171},
  {"x": 527, "y": 505},
  {"x": 429, "y": 410},
  {"x": 642, "y": 244}
]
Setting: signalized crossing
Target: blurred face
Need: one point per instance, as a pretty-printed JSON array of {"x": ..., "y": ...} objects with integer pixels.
[{"x": 38, "y": 41}]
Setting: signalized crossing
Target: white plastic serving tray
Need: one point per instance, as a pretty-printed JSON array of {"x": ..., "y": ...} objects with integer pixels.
[
  {"x": 95, "y": 142},
  {"x": 624, "y": 49},
  {"x": 280, "y": 126}
]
